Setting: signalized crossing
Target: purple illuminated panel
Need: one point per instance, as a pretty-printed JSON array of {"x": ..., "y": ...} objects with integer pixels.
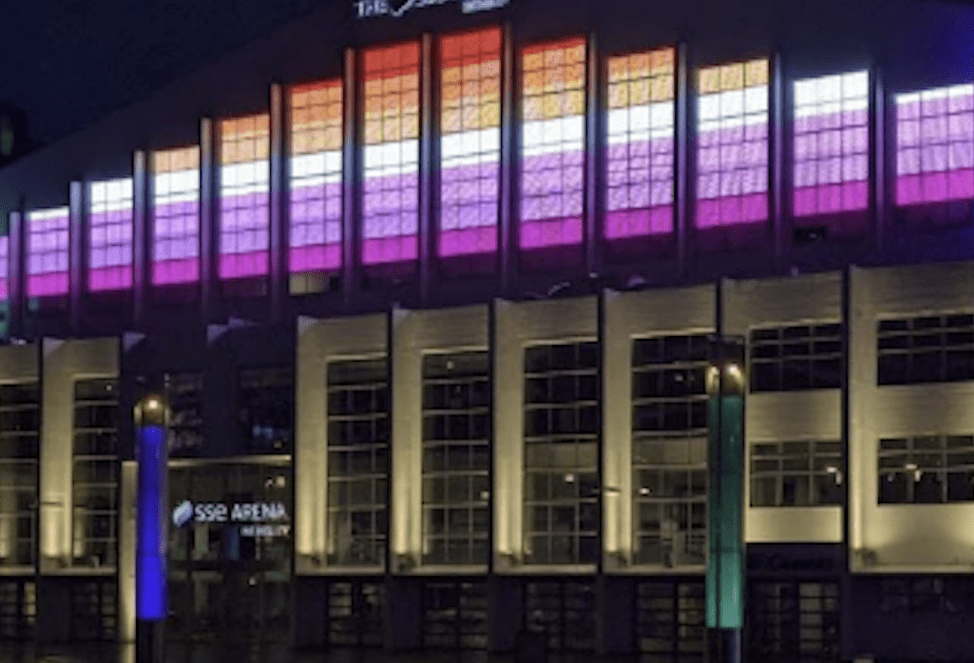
[
  {"x": 4, "y": 266},
  {"x": 553, "y": 144},
  {"x": 47, "y": 252},
  {"x": 732, "y": 145},
  {"x": 244, "y": 197},
  {"x": 110, "y": 235},
  {"x": 831, "y": 160},
  {"x": 176, "y": 216},
  {"x": 640, "y": 165},
  {"x": 935, "y": 145}
]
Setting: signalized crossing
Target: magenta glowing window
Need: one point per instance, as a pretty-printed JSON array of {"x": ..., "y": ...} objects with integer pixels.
[
  {"x": 553, "y": 144},
  {"x": 4, "y": 266},
  {"x": 732, "y": 144},
  {"x": 390, "y": 191},
  {"x": 640, "y": 165},
  {"x": 470, "y": 143},
  {"x": 47, "y": 252},
  {"x": 831, "y": 160},
  {"x": 176, "y": 216},
  {"x": 244, "y": 197},
  {"x": 110, "y": 235},
  {"x": 316, "y": 177},
  {"x": 935, "y": 145}
]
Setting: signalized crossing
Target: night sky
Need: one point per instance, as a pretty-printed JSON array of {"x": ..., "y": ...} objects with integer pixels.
[{"x": 69, "y": 62}]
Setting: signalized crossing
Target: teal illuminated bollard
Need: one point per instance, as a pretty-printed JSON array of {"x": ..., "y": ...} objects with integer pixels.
[
  {"x": 152, "y": 530},
  {"x": 725, "y": 503}
]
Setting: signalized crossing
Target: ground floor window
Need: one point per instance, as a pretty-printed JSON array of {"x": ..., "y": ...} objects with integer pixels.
[
  {"x": 355, "y": 613},
  {"x": 566, "y": 611},
  {"x": 455, "y": 614},
  {"x": 793, "y": 621},
  {"x": 18, "y": 608},
  {"x": 670, "y": 621}
]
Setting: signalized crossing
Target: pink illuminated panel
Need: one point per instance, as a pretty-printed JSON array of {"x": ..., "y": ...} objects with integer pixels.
[
  {"x": 244, "y": 197},
  {"x": 4, "y": 267},
  {"x": 176, "y": 216},
  {"x": 110, "y": 235},
  {"x": 831, "y": 161},
  {"x": 316, "y": 177},
  {"x": 732, "y": 144},
  {"x": 640, "y": 162},
  {"x": 935, "y": 145},
  {"x": 47, "y": 252},
  {"x": 553, "y": 144},
  {"x": 470, "y": 142},
  {"x": 390, "y": 205}
]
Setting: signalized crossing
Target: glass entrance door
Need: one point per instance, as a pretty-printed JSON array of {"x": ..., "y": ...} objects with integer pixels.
[{"x": 230, "y": 550}]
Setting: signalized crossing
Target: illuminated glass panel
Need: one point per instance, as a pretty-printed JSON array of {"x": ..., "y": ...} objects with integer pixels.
[
  {"x": 316, "y": 177},
  {"x": 390, "y": 208},
  {"x": 831, "y": 158},
  {"x": 732, "y": 144},
  {"x": 4, "y": 266},
  {"x": 244, "y": 199},
  {"x": 935, "y": 145},
  {"x": 176, "y": 216},
  {"x": 110, "y": 235},
  {"x": 470, "y": 142},
  {"x": 553, "y": 144},
  {"x": 642, "y": 90},
  {"x": 47, "y": 252}
]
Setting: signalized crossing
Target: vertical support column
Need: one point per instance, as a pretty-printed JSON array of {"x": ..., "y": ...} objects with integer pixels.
[
  {"x": 880, "y": 160},
  {"x": 141, "y": 236},
  {"x": 209, "y": 198},
  {"x": 779, "y": 119},
  {"x": 593, "y": 141},
  {"x": 76, "y": 259},
  {"x": 507, "y": 244},
  {"x": 16, "y": 229},
  {"x": 845, "y": 583},
  {"x": 278, "y": 208},
  {"x": 427, "y": 149},
  {"x": 350, "y": 167},
  {"x": 681, "y": 153}
]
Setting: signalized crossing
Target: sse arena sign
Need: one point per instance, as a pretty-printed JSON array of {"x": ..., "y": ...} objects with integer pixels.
[{"x": 254, "y": 518}]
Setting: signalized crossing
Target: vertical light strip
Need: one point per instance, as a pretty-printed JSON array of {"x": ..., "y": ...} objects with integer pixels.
[
  {"x": 470, "y": 120},
  {"x": 935, "y": 145},
  {"x": 390, "y": 206},
  {"x": 110, "y": 235},
  {"x": 315, "y": 241},
  {"x": 831, "y": 159},
  {"x": 4, "y": 267},
  {"x": 176, "y": 216},
  {"x": 732, "y": 144},
  {"x": 244, "y": 197},
  {"x": 640, "y": 165},
  {"x": 47, "y": 252},
  {"x": 553, "y": 144}
]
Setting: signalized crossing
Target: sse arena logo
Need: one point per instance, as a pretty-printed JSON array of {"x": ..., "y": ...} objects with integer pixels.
[{"x": 256, "y": 518}]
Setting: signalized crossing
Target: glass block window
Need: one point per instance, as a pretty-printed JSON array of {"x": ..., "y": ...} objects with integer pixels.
[
  {"x": 390, "y": 190},
  {"x": 20, "y": 407},
  {"x": 176, "y": 216},
  {"x": 184, "y": 392},
  {"x": 935, "y": 145},
  {"x": 793, "y": 621},
  {"x": 732, "y": 144},
  {"x": 669, "y": 459},
  {"x": 4, "y": 267},
  {"x": 927, "y": 469},
  {"x": 317, "y": 138},
  {"x": 110, "y": 226},
  {"x": 244, "y": 226},
  {"x": 806, "y": 356},
  {"x": 358, "y": 461},
  {"x": 265, "y": 400},
  {"x": 670, "y": 621},
  {"x": 456, "y": 458},
  {"x": 944, "y": 595},
  {"x": 640, "y": 165},
  {"x": 553, "y": 144},
  {"x": 96, "y": 463},
  {"x": 800, "y": 473},
  {"x": 47, "y": 252},
  {"x": 561, "y": 428},
  {"x": 470, "y": 143},
  {"x": 831, "y": 160},
  {"x": 934, "y": 348}
]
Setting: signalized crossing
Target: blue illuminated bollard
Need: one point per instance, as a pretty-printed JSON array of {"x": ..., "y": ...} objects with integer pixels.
[{"x": 152, "y": 454}]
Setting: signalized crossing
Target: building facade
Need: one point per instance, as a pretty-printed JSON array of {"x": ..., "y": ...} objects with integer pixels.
[{"x": 429, "y": 291}]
